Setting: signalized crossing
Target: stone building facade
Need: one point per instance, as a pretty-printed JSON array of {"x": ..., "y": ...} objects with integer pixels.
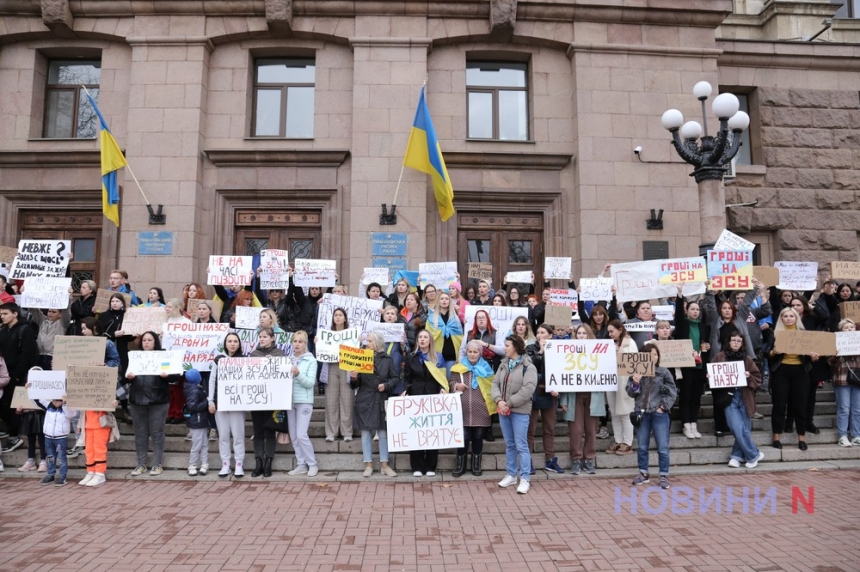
[{"x": 555, "y": 175}]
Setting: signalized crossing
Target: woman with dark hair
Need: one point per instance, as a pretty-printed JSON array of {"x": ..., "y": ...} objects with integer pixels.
[
  {"x": 471, "y": 293},
  {"x": 599, "y": 317},
  {"x": 620, "y": 404},
  {"x": 155, "y": 297},
  {"x": 544, "y": 404},
  {"x": 413, "y": 315},
  {"x": 691, "y": 383},
  {"x": 339, "y": 398},
  {"x": 484, "y": 332},
  {"x": 421, "y": 381},
  {"x": 82, "y": 307},
  {"x": 264, "y": 437},
  {"x": 398, "y": 297},
  {"x": 231, "y": 424},
  {"x": 373, "y": 291},
  {"x": 499, "y": 299},
  {"x": 813, "y": 318}
]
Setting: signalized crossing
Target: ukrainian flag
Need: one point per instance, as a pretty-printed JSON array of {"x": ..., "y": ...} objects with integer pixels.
[
  {"x": 112, "y": 160},
  {"x": 424, "y": 154}
]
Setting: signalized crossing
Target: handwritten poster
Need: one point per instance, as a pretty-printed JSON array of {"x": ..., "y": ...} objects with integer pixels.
[
  {"x": 844, "y": 270},
  {"x": 730, "y": 269},
  {"x": 356, "y": 359},
  {"x": 255, "y": 384},
  {"x": 395, "y": 332},
  {"x": 564, "y": 297},
  {"x": 40, "y": 258},
  {"x": 557, "y": 267},
  {"x": 678, "y": 271},
  {"x": 46, "y": 292},
  {"x": 78, "y": 350},
  {"x": 727, "y": 374},
  {"x": 580, "y": 365},
  {"x": 247, "y": 317},
  {"x": 377, "y": 275},
  {"x": 90, "y": 388},
  {"x": 46, "y": 385},
  {"x": 275, "y": 273},
  {"x": 201, "y": 343},
  {"x": 636, "y": 281},
  {"x": 155, "y": 362},
  {"x": 524, "y": 277},
  {"x": 480, "y": 271},
  {"x": 309, "y": 272},
  {"x": 141, "y": 319},
  {"x": 730, "y": 241},
  {"x": 641, "y": 363},
  {"x": 230, "y": 271},
  {"x": 423, "y": 422},
  {"x": 359, "y": 311},
  {"x": 800, "y": 276},
  {"x": 596, "y": 289},
  {"x": 439, "y": 274},
  {"x": 328, "y": 343}
]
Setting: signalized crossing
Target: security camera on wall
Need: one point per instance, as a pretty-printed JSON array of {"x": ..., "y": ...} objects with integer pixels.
[{"x": 637, "y": 150}]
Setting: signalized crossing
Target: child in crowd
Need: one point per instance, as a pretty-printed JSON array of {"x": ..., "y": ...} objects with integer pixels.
[
  {"x": 197, "y": 420},
  {"x": 56, "y": 430}
]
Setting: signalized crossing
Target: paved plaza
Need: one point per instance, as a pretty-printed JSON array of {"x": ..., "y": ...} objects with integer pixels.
[{"x": 562, "y": 524}]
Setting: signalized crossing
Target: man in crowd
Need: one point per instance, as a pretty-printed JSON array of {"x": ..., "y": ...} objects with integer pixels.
[{"x": 19, "y": 349}]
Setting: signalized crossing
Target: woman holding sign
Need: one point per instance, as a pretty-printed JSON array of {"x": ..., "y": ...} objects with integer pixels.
[
  {"x": 620, "y": 404},
  {"x": 544, "y": 405},
  {"x": 423, "y": 377},
  {"x": 339, "y": 399},
  {"x": 846, "y": 385},
  {"x": 230, "y": 423},
  {"x": 264, "y": 439},
  {"x": 692, "y": 381},
  {"x": 370, "y": 403}
]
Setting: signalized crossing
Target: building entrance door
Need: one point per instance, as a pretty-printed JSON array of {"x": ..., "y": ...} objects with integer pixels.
[{"x": 297, "y": 232}]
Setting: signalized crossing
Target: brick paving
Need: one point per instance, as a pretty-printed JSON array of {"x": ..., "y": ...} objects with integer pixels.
[{"x": 562, "y": 524}]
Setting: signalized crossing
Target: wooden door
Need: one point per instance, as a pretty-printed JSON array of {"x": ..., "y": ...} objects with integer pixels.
[
  {"x": 82, "y": 228},
  {"x": 294, "y": 231}
]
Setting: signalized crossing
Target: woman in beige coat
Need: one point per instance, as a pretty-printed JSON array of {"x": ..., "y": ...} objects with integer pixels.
[{"x": 621, "y": 404}]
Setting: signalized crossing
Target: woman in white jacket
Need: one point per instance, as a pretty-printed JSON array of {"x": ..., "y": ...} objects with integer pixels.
[{"x": 621, "y": 404}]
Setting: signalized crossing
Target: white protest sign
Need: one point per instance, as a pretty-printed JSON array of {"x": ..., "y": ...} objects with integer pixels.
[
  {"x": 682, "y": 270},
  {"x": 250, "y": 339},
  {"x": 664, "y": 312},
  {"x": 309, "y": 272},
  {"x": 247, "y": 317},
  {"x": 580, "y": 365},
  {"x": 201, "y": 343},
  {"x": 255, "y": 384},
  {"x": 730, "y": 241},
  {"x": 141, "y": 319},
  {"x": 378, "y": 275},
  {"x": 635, "y": 281},
  {"x": 46, "y": 292},
  {"x": 423, "y": 422},
  {"x": 230, "y": 271},
  {"x": 155, "y": 362},
  {"x": 524, "y": 277},
  {"x": 275, "y": 273},
  {"x": 557, "y": 267},
  {"x": 640, "y": 326},
  {"x": 439, "y": 274},
  {"x": 502, "y": 318},
  {"x": 46, "y": 385},
  {"x": 848, "y": 343},
  {"x": 41, "y": 258},
  {"x": 799, "y": 276},
  {"x": 359, "y": 311},
  {"x": 328, "y": 343},
  {"x": 564, "y": 297},
  {"x": 390, "y": 332},
  {"x": 596, "y": 289},
  {"x": 727, "y": 374}
]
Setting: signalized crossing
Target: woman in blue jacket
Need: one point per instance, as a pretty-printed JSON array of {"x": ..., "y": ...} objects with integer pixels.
[{"x": 299, "y": 417}]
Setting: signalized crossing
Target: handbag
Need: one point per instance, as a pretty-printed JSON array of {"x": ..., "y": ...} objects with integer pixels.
[
  {"x": 722, "y": 398},
  {"x": 636, "y": 416},
  {"x": 277, "y": 421},
  {"x": 853, "y": 378},
  {"x": 108, "y": 420},
  {"x": 4, "y": 374}
]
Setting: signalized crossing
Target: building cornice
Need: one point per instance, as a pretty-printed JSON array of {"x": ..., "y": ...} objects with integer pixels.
[
  {"x": 277, "y": 157},
  {"x": 491, "y": 160},
  {"x": 49, "y": 159},
  {"x": 789, "y": 55}
]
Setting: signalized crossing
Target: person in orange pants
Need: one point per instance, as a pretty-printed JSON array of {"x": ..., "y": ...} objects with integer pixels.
[{"x": 97, "y": 438}]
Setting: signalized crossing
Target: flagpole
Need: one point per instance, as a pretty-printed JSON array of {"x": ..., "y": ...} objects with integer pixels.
[
  {"x": 127, "y": 164},
  {"x": 400, "y": 178}
]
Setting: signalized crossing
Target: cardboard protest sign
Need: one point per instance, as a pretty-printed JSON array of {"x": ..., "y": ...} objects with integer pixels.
[
  {"x": 255, "y": 384},
  {"x": 730, "y": 269},
  {"x": 90, "y": 388},
  {"x": 328, "y": 343},
  {"x": 40, "y": 258},
  {"x": 564, "y": 297},
  {"x": 78, "y": 350},
  {"x": 46, "y": 385},
  {"x": 201, "y": 343},
  {"x": 155, "y": 362},
  {"x": 480, "y": 271},
  {"x": 390, "y": 332},
  {"x": 275, "y": 273},
  {"x": 676, "y": 353},
  {"x": 767, "y": 275},
  {"x": 377, "y": 275},
  {"x": 141, "y": 319},
  {"x": 20, "y": 399},
  {"x": 727, "y": 374},
  {"x": 359, "y": 311},
  {"x": 848, "y": 343},
  {"x": 798, "y": 276},
  {"x": 596, "y": 289},
  {"x": 804, "y": 342},
  {"x": 557, "y": 267},
  {"x": 423, "y": 422},
  {"x": 844, "y": 270},
  {"x": 730, "y": 241},
  {"x": 309, "y": 272},
  {"x": 580, "y": 365},
  {"x": 355, "y": 359},
  {"x": 247, "y": 317},
  {"x": 502, "y": 318},
  {"x": 102, "y": 303},
  {"x": 7, "y": 255},
  {"x": 640, "y": 326},
  {"x": 678, "y": 271},
  {"x": 641, "y": 363},
  {"x": 46, "y": 292},
  {"x": 250, "y": 339},
  {"x": 558, "y": 315},
  {"x": 230, "y": 270},
  {"x": 439, "y": 274},
  {"x": 635, "y": 281},
  {"x": 524, "y": 277},
  {"x": 850, "y": 311}
]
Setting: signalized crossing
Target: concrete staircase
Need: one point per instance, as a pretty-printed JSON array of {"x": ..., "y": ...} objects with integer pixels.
[{"x": 345, "y": 457}]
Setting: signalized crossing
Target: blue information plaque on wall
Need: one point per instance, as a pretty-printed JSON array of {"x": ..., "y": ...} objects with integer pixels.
[
  {"x": 155, "y": 243},
  {"x": 388, "y": 243}
]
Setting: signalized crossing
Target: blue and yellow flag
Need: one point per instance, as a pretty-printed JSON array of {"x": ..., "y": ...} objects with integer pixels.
[
  {"x": 424, "y": 154},
  {"x": 112, "y": 160}
]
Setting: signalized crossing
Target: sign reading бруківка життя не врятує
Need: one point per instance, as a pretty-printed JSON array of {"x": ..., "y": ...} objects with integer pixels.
[{"x": 155, "y": 243}]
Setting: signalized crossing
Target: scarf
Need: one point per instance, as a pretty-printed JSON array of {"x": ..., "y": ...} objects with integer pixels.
[
  {"x": 442, "y": 330},
  {"x": 695, "y": 337},
  {"x": 735, "y": 356},
  {"x": 482, "y": 378},
  {"x": 422, "y": 356}
]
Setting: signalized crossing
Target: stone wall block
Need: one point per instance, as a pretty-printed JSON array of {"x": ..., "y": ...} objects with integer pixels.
[
  {"x": 774, "y": 97},
  {"x": 844, "y": 100},
  {"x": 835, "y": 199},
  {"x": 778, "y": 137},
  {"x": 828, "y": 118},
  {"x": 833, "y": 159},
  {"x": 790, "y": 239},
  {"x": 793, "y": 117},
  {"x": 795, "y": 198},
  {"x": 815, "y": 178},
  {"x": 846, "y": 180},
  {"x": 781, "y": 177},
  {"x": 789, "y": 157},
  {"x": 847, "y": 138},
  {"x": 810, "y": 98},
  {"x": 815, "y": 138},
  {"x": 838, "y": 240},
  {"x": 772, "y": 219}
]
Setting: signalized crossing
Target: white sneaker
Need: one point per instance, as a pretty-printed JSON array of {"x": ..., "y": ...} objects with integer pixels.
[
  {"x": 752, "y": 464},
  {"x": 844, "y": 442},
  {"x": 376, "y": 436},
  {"x": 239, "y": 472},
  {"x": 43, "y": 467},
  {"x": 329, "y": 439},
  {"x": 508, "y": 481},
  {"x": 313, "y": 470},
  {"x": 695, "y": 430},
  {"x": 300, "y": 470},
  {"x": 30, "y": 465},
  {"x": 204, "y": 468},
  {"x": 192, "y": 471},
  {"x": 98, "y": 479},
  {"x": 734, "y": 463},
  {"x": 225, "y": 469},
  {"x": 523, "y": 487},
  {"x": 2, "y": 468},
  {"x": 86, "y": 479},
  {"x": 855, "y": 441},
  {"x": 417, "y": 474},
  {"x": 431, "y": 473},
  {"x": 688, "y": 431}
]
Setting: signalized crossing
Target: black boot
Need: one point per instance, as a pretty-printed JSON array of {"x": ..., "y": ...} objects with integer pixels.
[
  {"x": 258, "y": 469},
  {"x": 460, "y": 469},
  {"x": 267, "y": 471},
  {"x": 488, "y": 434},
  {"x": 476, "y": 465}
]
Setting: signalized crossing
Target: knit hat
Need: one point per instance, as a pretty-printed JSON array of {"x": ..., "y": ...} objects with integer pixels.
[
  {"x": 456, "y": 285},
  {"x": 192, "y": 376}
]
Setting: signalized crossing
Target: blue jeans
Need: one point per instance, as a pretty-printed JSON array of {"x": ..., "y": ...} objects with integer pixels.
[
  {"x": 367, "y": 445},
  {"x": 658, "y": 424},
  {"x": 55, "y": 449},
  {"x": 515, "y": 430},
  {"x": 848, "y": 410},
  {"x": 740, "y": 425}
]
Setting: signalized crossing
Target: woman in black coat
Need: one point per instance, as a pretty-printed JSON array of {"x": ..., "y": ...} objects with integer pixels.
[
  {"x": 689, "y": 325},
  {"x": 82, "y": 307},
  {"x": 373, "y": 389},
  {"x": 419, "y": 381}
]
